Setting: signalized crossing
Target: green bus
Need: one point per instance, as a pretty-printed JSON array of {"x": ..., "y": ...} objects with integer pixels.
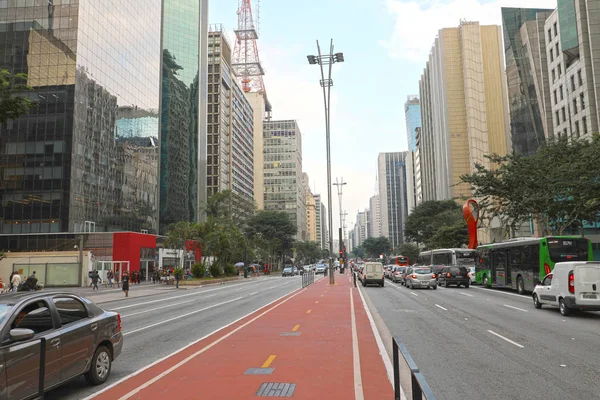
[{"x": 519, "y": 263}]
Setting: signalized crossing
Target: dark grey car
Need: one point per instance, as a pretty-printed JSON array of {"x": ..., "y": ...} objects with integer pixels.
[{"x": 80, "y": 338}]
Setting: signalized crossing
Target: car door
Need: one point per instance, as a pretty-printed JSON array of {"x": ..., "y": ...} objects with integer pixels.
[
  {"x": 22, "y": 359},
  {"x": 546, "y": 294},
  {"x": 78, "y": 334}
]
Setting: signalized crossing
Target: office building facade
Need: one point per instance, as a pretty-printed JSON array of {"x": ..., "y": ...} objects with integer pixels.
[
  {"x": 464, "y": 108},
  {"x": 230, "y": 130},
  {"x": 184, "y": 73},
  {"x": 311, "y": 211},
  {"x": 284, "y": 185},
  {"x": 391, "y": 168},
  {"x": 572, "y": 39},
  {"x": 412, "y": 115},
  {"x": 86, "y": 157},
  {"x": 526, "y": 69},
  {"x": 374, "y": 217}
]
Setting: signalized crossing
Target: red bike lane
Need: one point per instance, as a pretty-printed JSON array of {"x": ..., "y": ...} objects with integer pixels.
[{"x": 301, "y": 346}]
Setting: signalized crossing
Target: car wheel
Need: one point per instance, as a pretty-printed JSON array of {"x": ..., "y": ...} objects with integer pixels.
[
  {"x": 467, "y": 285},
  {"x": 520, "y": 286},
  {"x": 446, "y": 284},
  {"x": 100, "y": 366},
  {"x": 536, "y": 302},
  {"x": 564, "y": 310},
  {"x": 364, "y": 284},
  {"x": 434, "y": 287},
  {"x": 382, "y": 282}
]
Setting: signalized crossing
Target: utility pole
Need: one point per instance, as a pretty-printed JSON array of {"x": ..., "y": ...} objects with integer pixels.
[
  {"x": 326, "y": 84},
  {"x": 340, "y": 188}
]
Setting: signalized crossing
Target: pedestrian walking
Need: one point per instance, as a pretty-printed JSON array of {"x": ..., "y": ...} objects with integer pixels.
[
  {"x": 95, "y": 278},
  {"x": 109, "y": 277},
  {"x": 125, "y": 283},
  {"x": 15, "y": 281}
]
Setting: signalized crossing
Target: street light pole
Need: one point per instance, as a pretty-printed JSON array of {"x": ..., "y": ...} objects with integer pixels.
[
  {"x": 340, "y": 187},
  {"x": 329, "y": 60}
]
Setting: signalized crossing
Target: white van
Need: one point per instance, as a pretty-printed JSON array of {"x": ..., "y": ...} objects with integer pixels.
[
  {"x": 373, "y": 273},
  {"x": 570, "y": 286}
]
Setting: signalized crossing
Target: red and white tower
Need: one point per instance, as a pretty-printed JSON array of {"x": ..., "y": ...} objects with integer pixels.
[{"x": 246, "y": 62}]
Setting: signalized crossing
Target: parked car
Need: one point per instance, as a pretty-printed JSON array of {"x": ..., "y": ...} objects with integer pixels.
[
  {"x": 397, "y": 274},
  {"x": 454, "y": 275},
  {"x": 80, "y": 337},
  {"x": 287, "y": 271},
  {"x": 373, "y": 274},
  {"x": 570, "y": 286},
  {"x": 421, "y": 277}
]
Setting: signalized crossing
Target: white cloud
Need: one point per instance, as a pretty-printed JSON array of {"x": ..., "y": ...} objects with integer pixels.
[{"x": 418, "y": 22}]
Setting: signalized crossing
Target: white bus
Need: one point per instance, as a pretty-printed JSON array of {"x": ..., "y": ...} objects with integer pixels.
[{"x": 447, "y": 257}]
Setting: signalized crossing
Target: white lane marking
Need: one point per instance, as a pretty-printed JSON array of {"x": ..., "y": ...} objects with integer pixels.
[
  {"x": 414, "y": 294},
  {"x": 438, "y": 306},
  {"x": 167, "y": 306},
  {"x": 252, "y": 294},
  {"x": 466, "y": 294},
  {"x": 182, "y": 316},
  {"x": 514, "y": 308},
  {"x": 502, "y": 292},
  {"x": 173, "y": 298},
  {"x": 99, "y": 392},
  {"x": 507, "y": 339},
  {"x": 358, "y": 388},
  {"x": 384, "y": 355}
]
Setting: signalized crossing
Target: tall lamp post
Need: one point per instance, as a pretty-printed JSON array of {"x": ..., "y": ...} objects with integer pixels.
[
  {"x": 326, "y": 84},
  {"x": 340, "y": 187}
]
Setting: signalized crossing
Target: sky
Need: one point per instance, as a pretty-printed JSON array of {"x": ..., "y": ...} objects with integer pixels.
[{"x": 385, "y": 44}]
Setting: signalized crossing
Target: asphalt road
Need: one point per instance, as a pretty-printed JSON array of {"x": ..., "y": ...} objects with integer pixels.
[
  {"x": 481, "y": 343},
  {"x": 156, "y": 326}
]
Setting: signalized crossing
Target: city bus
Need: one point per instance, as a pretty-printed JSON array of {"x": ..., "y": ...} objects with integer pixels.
[
  {"x": 448, "y": 257},
  {"x": 401, "y": 261},
  {"x": 519, "y": 263}
]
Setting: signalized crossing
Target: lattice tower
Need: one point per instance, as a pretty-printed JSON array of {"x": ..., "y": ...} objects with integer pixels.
[{"x": 246, "y": 62}]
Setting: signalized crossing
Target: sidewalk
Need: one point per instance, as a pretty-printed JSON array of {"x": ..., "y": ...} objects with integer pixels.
[
  {"x": 107, "y": 294},
  {"x": 307, "y": 345}
]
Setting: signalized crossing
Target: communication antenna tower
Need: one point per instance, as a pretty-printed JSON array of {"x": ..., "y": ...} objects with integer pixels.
[{"x": 246, "y": 62}]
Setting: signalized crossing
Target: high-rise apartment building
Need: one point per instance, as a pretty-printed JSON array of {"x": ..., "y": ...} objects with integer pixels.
[
  {"x": 230, "y": 138},
  {"x": 572, "y": 39},
  {"x": 360, "y": 228},
  {"x": 418, "y": 170},
  {"x": 182, "y": 106},
  {"x": 526, "y": 74},
  {"x": 261, "y": 107},
  {"x": 374, "y": 217},
  {"x": 391, "y": 168},
  {"x": 464, "y": 108},
  {"x": 311, "y": 211},
  {"x": 284, "y": 185},
  {"x": 322, "y": 232},
  {"x": 86, "y": 157}
]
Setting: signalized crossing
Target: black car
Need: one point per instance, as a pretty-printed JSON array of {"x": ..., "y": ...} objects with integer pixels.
[{"x": 454, "y": 275}]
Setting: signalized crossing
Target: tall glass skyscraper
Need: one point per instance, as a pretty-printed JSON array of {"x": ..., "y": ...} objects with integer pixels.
[
  {"x": 86, "y": 157},
  {"x": 412, "y": 114},
  {"x": 183, "y": 111}
]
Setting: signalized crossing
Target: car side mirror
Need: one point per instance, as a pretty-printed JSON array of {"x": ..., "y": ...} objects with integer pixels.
[
  {"x": 19, "y": 335},
  {"x": 538, "y": 283}
]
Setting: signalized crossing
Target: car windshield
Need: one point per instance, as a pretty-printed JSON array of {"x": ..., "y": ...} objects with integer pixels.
[
  {"x": 422, "y": 271},
  {"x": 458, "y": 270},
  {"x": 4, "y": 311}
]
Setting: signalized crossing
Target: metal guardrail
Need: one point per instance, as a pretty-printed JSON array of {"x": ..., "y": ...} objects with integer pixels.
[
  {"x": 407, "y": 373},
  {"x": 308, "y": 278}
]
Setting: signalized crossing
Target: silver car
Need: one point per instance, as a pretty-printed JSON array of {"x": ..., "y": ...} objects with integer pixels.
[
  {"x": 421, "y": 278},
  {"x": 80, "y": 338}
]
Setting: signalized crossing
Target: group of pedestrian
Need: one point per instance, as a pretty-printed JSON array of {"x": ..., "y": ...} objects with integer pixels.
[{"x": 15, "y": 280}]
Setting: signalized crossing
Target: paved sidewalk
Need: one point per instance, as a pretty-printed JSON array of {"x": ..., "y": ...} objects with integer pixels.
[
  {"x": 316, "y": 343},
  {"x": 107, "y": 294}
]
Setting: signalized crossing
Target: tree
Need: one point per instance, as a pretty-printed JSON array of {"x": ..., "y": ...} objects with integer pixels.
[
  {"x": 358, "y": 252},
  {"x": 409, "y": 250},
  {"x": 374, "y": 247},
  {"x": 273, "y": 229},
  {"x": 430, "y": 224},
  {"x": 12, "y": 103},
  {"x": 307, "y": 252},
  {"x": 558, "y": 186}
]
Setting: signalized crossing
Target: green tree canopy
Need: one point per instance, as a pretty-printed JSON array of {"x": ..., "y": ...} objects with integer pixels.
[
  {"x": 12, "y": 102},
  {"x": 431, "y": 222},
  {"x": 409, "y": 250},
  {"x": 307, "y": 252},
  {"x": 358, "y": 252},
  {"x": 374, "y": 247},
  {"x": 559, "y": 186},
  {"x": 274, "y": 227}
]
